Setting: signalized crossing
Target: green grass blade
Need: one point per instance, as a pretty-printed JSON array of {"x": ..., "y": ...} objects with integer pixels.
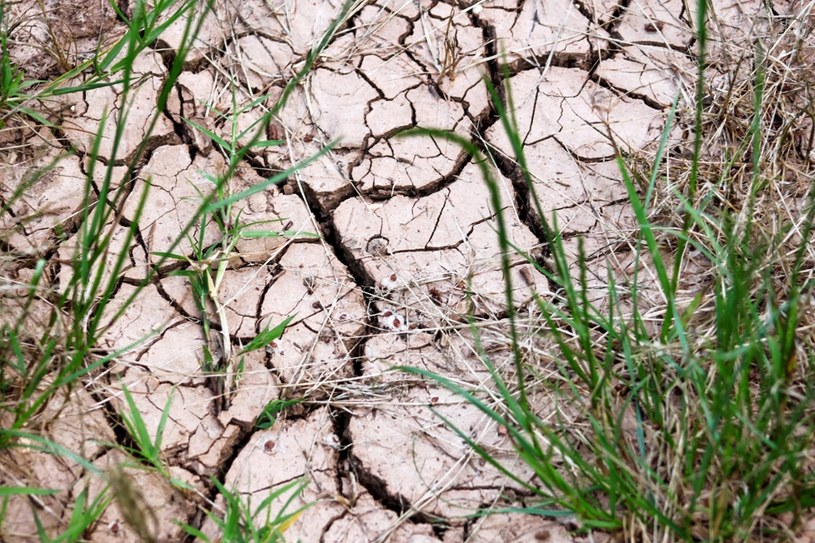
[{"x": 6, "y": 491}]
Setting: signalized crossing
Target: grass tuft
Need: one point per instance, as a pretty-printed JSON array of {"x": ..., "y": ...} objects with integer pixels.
[
  {"x": 51, "y": 336},
  {"x": 700, "y": 428}
]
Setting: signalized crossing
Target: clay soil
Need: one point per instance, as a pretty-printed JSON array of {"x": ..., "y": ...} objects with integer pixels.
[{"x": 391, "y": 245}]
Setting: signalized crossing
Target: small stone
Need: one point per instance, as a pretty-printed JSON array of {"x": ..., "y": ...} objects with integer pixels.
[{"x": 268, "y": 447}]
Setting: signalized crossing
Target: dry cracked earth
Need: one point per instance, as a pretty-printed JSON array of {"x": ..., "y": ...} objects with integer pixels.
[{"x": 405, "y": 246}]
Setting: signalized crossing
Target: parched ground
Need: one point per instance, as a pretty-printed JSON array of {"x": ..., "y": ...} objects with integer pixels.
[{"x": 406, "y": 245}]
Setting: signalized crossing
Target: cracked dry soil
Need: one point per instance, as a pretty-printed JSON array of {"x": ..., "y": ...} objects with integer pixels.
[{"x": 406, "y": 246}]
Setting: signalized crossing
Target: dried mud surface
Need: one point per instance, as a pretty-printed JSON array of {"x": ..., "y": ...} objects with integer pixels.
[{"x": 406, "y": 246}]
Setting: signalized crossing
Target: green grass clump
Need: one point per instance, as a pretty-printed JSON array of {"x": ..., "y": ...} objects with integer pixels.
[
  {"x": 240, "y": 523},
  {"x": 50, "y": 336},
  {"x": 696, "y": 427}
]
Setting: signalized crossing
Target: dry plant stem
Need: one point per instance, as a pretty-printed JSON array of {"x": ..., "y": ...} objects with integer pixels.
[{"x": 701, "y": 63}]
